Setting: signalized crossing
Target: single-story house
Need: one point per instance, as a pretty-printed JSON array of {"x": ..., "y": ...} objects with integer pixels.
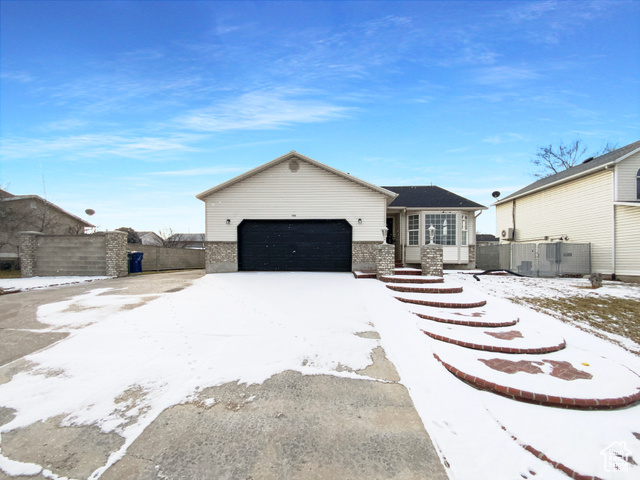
[
  {"x": 21, "y": 213},
  {"x": 186, "y": 240},
  {"x": 597, "y": 202},
  {"x": 297, "y": 214},
  {"x": 150, "y": 238}
]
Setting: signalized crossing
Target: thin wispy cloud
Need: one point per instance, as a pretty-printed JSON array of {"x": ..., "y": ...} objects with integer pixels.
[
  {"x": 262, "y": 110},
  {"x": 17, "y": 76},
  {"x": 216, "y": 170},
  {"x": 505, "y": 74},
  {"x": 505, "y": 138}
]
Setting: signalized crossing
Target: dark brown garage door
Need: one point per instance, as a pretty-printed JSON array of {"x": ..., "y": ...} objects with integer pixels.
[{"x": 294, "y": 245}]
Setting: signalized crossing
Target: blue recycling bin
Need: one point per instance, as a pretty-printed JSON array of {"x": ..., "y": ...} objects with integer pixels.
[{"x": 135, "y": 264}]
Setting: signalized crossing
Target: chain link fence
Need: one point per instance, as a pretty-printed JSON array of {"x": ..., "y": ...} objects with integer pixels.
[{"x": 536, "y": 259}]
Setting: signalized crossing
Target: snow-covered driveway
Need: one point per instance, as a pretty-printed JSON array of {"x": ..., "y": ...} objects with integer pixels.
[{"x": 130, "y": 358}]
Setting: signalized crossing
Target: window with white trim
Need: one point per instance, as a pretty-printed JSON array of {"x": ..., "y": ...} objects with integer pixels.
[
  {"x": 413, "y": 229},
  {"x": 464, "y": 229},
  {"x": 445, "y": 225}
]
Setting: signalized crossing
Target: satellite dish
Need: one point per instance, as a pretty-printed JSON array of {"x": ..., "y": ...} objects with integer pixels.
[
  {"x": 495, "y": 194},
  {"x": 89, "y": 211}
]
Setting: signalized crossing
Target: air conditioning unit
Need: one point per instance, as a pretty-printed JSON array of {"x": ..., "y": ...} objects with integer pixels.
[{"x": 507, "y": 234}]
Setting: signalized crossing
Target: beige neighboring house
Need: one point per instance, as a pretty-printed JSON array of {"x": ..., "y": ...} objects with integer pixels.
[
  {"x": 297, "y": 214},
  {"x": 19, "y": 213},
  {"x": 597, "y": 202}
]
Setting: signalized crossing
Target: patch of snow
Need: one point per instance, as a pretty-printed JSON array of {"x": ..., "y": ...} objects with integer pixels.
[{"x": 33, "y": 283}]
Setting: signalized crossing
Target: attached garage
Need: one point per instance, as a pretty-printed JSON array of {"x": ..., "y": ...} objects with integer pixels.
[
  {"x": 294, "y": 214},
  {"x": 294, "y": 245}
]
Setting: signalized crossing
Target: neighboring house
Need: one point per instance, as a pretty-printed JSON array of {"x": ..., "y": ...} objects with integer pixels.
[
  {"x": 597, "y": 201},
  {"x": 295, "y": 213},
  {"x": 486, "y": 239},
  {"x": 19, "y": 213},
  {"x": 150, "y": 238},
  {"x": 186, "y": 240}
]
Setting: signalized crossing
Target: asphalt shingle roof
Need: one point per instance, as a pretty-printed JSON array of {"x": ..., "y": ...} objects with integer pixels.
[
  {"x": 581, "y": 168},
  {"x": 429, "y": 197}
]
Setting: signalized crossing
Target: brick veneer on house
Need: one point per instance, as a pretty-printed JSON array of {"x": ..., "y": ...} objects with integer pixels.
[
  {"x": 221, "y": 257},
  {"x": 363, "y": 256},
  {"x": 431, "y": 260}
]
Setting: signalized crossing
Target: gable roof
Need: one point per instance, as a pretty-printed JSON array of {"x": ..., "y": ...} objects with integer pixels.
[
  {"x": 13, "y": 198},
  {"x": 430, "y": 196},
  {"x": 585, "y": 168},
  {"x": 288, "y": 156}
]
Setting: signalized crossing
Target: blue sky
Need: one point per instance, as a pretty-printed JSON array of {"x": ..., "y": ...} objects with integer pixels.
[{"x": 132, "y": 108}]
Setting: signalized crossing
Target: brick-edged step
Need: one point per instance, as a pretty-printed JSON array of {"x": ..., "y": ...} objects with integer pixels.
[
  {"x": 421, "y": 288},
  {"x": 411, "y": 279},
  {"x": 407, "y": 271},
  {"x": 569, "y": 378},
  {"x": 449, "y": 300},
  {"x": 523, "y": 339},
  {"x": 485, "y": 316},
  {"x": 359, "y": 274}
]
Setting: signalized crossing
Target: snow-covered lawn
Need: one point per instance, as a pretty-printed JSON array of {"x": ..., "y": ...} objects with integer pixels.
[
  {"x": 32, "y": 283},
  {"x": 247, "y": 327}
]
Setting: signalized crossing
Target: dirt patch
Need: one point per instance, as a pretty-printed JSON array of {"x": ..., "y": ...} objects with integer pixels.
[{"x": 619, "y": 316}]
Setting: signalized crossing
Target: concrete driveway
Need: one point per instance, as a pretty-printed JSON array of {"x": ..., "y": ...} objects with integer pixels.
[{"x": 348, "y": 424}]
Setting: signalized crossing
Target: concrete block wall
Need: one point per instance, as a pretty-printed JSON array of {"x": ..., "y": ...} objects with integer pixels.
[
  {"x": 101, "y": 254},
  {"x": 431, "y": 260},
  {"x": 164, "y": 258},
  {"x": 472, "y": 256},
  {"x": 221, "y": 257},
  {"x": 363, "y": 256}
]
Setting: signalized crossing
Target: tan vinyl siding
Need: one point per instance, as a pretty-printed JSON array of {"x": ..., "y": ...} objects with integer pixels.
[
  {"x": 581, "y": 210},
  {"x": 627, "y": 240},
  {"x": 626, "y": 172},
  {"x": 309, "y": 193}
]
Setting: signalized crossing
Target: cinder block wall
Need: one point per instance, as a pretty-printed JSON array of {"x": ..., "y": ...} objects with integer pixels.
[
  {"x": 100, "y": 254},
  {"x": 163, "y": 258},
  {"x": 60, "y": 255}
]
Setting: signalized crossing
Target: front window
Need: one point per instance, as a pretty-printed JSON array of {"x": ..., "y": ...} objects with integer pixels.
[
  {"x": 463, "y": 228},
  {"x": 445, "y": 225},
  {"x": 413, "y": 228}
]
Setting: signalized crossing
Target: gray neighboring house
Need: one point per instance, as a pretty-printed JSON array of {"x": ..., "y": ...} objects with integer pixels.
[
  {"x": 20, "y": 213},
  {"x": 150, "y": 238}
]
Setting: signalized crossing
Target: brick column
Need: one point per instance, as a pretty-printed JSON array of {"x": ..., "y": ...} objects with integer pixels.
[
  {"x": 221, "y": 257},
  {"x": 116, "y": 254},
  {"x": 28, "y": 248},
  {"x": 385, "y": 262},
  {"x": 431, "y": 260}
]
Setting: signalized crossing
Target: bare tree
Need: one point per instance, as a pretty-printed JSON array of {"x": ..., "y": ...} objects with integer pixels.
[{"x": 552, "y": 160}]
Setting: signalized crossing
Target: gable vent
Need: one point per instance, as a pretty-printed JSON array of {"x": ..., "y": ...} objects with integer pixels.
[{"x": 294, "y": 166}]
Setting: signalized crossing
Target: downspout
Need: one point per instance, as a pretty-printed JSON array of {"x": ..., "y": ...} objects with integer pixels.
[
  {"x": 613, "y": 239},
  {"x": 403, "y": 235},
  {"x": 513, "y": 218}
]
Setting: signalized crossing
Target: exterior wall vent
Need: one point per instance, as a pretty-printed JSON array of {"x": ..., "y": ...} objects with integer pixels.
[{"x": 294, "y": 166}]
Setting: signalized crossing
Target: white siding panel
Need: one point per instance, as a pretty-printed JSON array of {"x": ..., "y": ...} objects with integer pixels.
[
  {"x": 309, "y": 193},
  {"x": 627, "y": 240},
  {"x": 504, "y": 219},
  {"x": 626, "y": 172},
  {"x": 581, "y": 210}
]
